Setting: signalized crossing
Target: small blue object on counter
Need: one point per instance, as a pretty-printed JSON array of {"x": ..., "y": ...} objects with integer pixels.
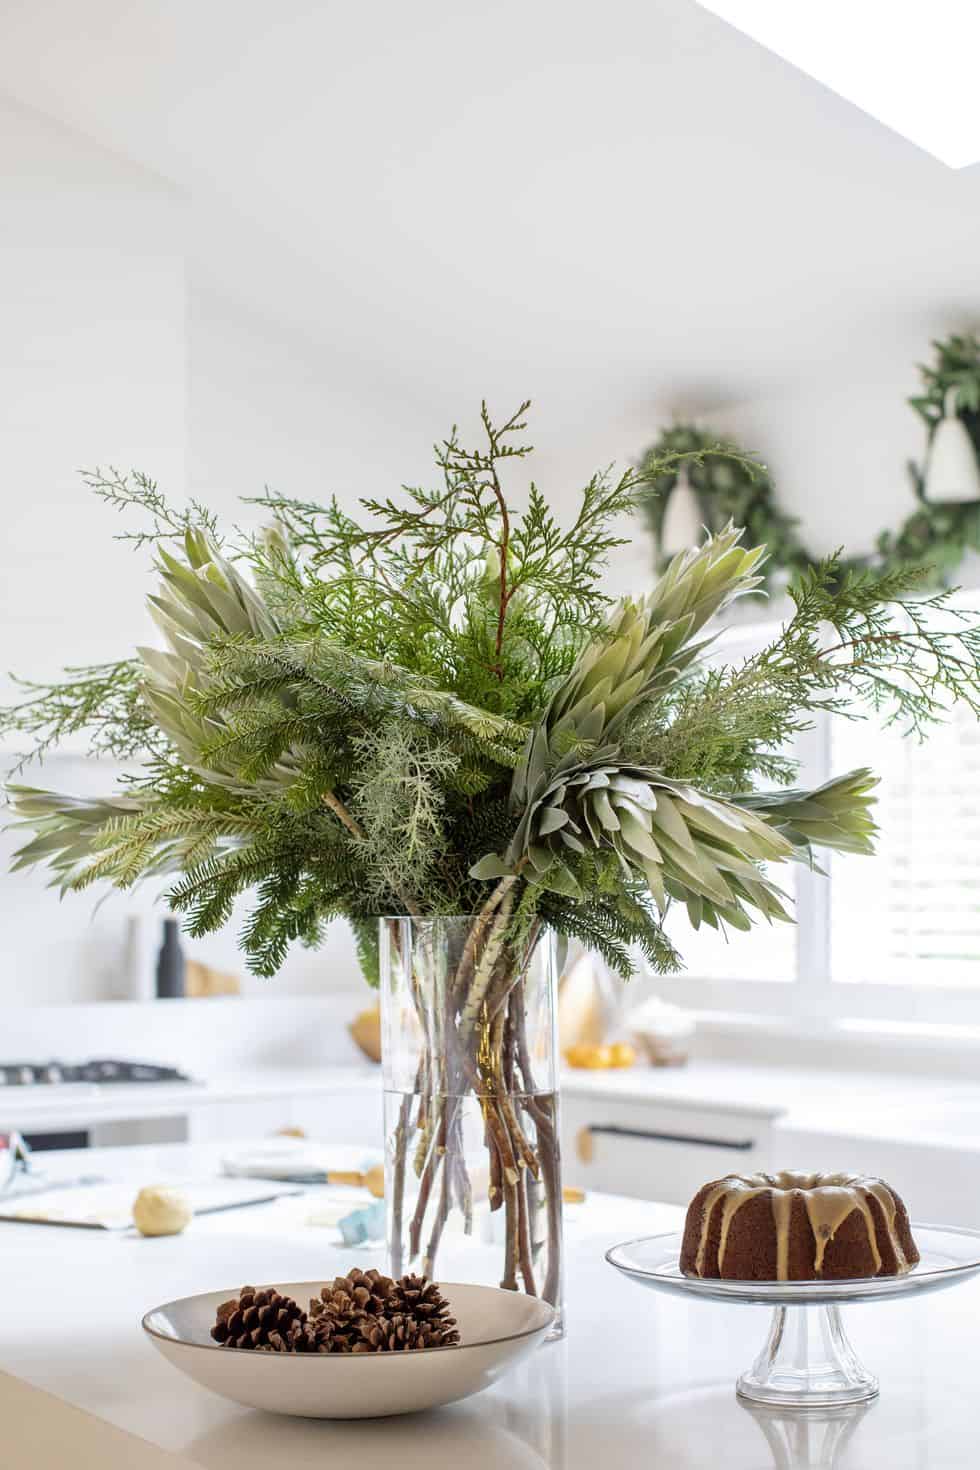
[{"x": 364, "y": 1224}]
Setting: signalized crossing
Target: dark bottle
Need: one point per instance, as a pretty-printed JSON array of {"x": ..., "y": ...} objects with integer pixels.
[{"x": 170, "y": 963}]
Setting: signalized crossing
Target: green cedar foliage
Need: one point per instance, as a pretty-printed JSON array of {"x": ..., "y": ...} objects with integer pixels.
[{"x": 415, "y": 711}]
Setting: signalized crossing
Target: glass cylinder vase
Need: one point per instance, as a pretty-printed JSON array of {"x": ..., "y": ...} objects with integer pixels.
[{"x": 469, "y": 1055}]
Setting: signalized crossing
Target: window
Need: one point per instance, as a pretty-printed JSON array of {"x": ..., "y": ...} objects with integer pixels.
[
  {"x": 912, "y": 916},
  {"x": 895, "y": 937}
]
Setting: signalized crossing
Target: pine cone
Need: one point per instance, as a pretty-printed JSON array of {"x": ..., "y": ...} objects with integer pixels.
[
  {"x": 301, "y": 1337},
  {"x": 362, "y": 1312},
  {"x": 400, "y": 1333},
  {"x": 256, "y": 1320},
  {"x": 337, "y": 1319},
  {"x": 369, "y": 1289},
  {"x": 336, "y": 1316},
  {"x": 414, "y": 1296}
]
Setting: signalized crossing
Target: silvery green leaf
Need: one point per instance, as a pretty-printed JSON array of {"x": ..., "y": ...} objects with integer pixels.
[
  {"x": 490, "y": 866},
  {"x": 598, "y": 781},
  {"x": 604, "y": 811},
  {"x": 638, "y": 791},
  {"x": 655, "y": 882},
  {"x": 667, "y": 819},
  {"x": 638, "y": 838}
]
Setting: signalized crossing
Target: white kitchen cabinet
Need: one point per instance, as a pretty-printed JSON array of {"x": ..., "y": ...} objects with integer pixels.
[
  {"x": 340, "y": 1117},
  {"x": 220, "y": 1122},
  {"x": 653, "y": 1150}
]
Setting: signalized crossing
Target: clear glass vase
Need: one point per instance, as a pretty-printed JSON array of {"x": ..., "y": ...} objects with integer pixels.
[{"x": 469, "y": 1054}]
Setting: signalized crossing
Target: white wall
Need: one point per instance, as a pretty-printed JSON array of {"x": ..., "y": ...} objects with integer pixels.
[
  {"x": 91, "y": 369},
  {"x": 104, "y": 359}
]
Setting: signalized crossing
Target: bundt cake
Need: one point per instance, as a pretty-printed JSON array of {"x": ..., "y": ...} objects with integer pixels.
[{"x": 797, "y": 1227}]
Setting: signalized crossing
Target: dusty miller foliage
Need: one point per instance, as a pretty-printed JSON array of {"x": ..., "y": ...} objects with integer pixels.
[{"x": 336, "y": 729}]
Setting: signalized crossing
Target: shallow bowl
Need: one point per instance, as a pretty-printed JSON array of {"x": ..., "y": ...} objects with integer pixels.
[{"x": 497, "y": 1328}]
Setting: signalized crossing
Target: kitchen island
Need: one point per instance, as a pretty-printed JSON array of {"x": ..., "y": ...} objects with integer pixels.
[{"x": 640, "y": 1380}]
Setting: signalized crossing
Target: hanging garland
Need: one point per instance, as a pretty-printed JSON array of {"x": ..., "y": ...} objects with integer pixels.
[{"x": 936, "y": 534}]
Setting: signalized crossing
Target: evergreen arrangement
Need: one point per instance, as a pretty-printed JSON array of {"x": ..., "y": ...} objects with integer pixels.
[
  {"x": 435, "y": 711},
  {"x": 402, "y": 714}
]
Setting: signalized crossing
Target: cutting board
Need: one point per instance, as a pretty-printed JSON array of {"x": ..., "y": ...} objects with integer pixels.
[{"x": 110, "y": 1206}]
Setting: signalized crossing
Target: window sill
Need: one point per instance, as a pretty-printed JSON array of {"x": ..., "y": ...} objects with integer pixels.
[{"x": 945, "y": 1050}]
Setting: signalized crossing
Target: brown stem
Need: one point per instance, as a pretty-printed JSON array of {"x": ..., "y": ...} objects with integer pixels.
[
  {"x": 495, "y": 1192},
  {"x": 434, "y": 1158},
  {"x": 548, "y": 1152},
  {"x": 505, "y": 595},
  {"x": 468, "y": 957},
  {"x": 339, "y": 810},
  {"x": 524, "y": 1238},
  {"x": 509, "y": 1279},
  {"x": 398, "y": 1183},
  {"x": 482, "y": 1058},
  {"x": 542, "y": 1109},
  {"x": 442, "y": 1213}
]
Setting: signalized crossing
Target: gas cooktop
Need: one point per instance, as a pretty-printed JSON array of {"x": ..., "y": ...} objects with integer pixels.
[{"x": 47, "y": 1074}]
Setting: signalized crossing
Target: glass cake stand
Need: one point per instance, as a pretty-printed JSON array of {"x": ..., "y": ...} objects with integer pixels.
[{"x": 807, "y": 1361}]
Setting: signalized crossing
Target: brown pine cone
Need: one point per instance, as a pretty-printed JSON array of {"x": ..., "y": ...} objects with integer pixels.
[
  {"x": 301, "y": 1337},
  {"x": 422, "y": 1302},
  {"x": 399, "y": 1333},
  {"x": 365, "y": 1291},
  {"x": 336, "y": 1318},
  {"x": 254, "y": 1319},
  {"x": 334, "y": 1336}
]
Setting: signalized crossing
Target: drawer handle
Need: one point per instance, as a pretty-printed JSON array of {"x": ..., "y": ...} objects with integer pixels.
[{"x": 653, "y": 1135}]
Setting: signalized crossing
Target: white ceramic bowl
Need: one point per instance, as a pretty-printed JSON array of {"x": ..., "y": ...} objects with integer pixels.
[{"x": 497, "y": 1328}]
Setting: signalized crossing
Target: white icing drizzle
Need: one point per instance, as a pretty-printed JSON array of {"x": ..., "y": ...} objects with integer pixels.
[{"x": 828, "y": 1200}]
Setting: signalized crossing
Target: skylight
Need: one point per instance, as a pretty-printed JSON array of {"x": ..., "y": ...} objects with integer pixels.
[{"x": 914, "y": 67}]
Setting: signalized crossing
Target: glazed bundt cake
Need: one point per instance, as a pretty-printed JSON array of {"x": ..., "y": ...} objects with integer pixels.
[{"x": 797, "y": 1227}]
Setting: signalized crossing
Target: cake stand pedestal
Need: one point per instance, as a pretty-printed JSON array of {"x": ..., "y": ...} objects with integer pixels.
[{"x": 807, "y": 1361}]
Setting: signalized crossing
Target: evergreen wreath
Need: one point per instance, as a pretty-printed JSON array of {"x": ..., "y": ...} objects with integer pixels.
[
  {"x": 731, "y": 485},
  {"x": 936, "y": 535}
]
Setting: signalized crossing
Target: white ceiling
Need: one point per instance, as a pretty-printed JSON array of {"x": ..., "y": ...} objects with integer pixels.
[{"x": 608, "y": 202}]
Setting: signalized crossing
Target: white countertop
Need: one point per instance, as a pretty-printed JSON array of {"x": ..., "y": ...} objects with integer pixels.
[
  {"x": 642, "y": 1380},
  {"x": 78, "y": 1104},
  {"x": 921, "y": 1109},
  {"x": 802, "y": 1100}
]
